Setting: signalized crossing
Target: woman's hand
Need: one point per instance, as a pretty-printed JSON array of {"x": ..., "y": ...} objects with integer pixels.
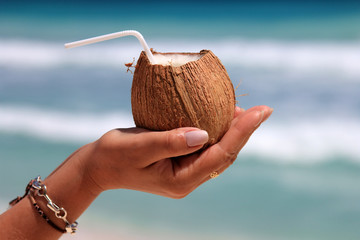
[{"x": 154, "y": 162}]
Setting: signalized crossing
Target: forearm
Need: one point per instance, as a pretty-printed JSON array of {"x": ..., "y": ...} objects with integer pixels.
[
  {"x": 135, "y": 159},
  {"x": 68, "y": 186}
]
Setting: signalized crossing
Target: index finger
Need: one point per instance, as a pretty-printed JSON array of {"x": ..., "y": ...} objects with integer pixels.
[
  {"x": 241, "y": 129},
  {"x": 223, "y": 154}
]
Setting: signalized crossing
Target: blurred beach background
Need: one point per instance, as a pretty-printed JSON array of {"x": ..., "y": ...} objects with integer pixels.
[{"x": 297, "y": 178}]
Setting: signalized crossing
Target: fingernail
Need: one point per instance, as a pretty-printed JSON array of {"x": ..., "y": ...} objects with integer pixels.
[
  {"x": 196, "y": 138},
  {"x": 261, "y": 116},
  {"x": 269, "y": 114},
  {"x": 239, "y": 109}
]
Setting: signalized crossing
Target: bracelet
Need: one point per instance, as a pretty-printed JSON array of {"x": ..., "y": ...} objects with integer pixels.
[
  {"x": 60, "y": 212},
  {"x": 42, "y": 214},
  {"x": 36, "y": 187}
]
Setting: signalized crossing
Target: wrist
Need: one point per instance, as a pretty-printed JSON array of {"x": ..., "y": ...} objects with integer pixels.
[
  {"x": 70, "y": 187},
  {"x": 89, "y": 168},
  {"x": 54, "y": 215}
]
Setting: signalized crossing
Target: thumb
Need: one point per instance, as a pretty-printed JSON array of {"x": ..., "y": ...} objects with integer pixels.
[{"x": 174, "y": 143}]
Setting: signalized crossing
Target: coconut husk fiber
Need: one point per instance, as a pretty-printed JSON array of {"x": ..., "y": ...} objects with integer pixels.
[{"x": 195, "y": 94}]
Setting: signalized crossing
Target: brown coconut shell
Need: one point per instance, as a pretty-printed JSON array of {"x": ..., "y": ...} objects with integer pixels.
[{"x": 197, "y": 94}]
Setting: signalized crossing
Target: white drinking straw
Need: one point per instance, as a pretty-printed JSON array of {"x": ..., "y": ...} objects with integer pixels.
[{"x": 112, "y": 36}]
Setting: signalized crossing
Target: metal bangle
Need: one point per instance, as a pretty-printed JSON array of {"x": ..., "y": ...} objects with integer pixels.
[
  {"x": 60, "y": 212},
  {"x": 43, "y": 215}
]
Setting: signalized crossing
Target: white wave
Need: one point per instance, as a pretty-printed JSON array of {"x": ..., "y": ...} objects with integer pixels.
[
  {"x": 60, "y": 126},
  {"x": 293, "y": 141},
  {"x": 35, "y": 54},
  {"x": 307, "y": 141},
  {"x": 320, "y": 58}
]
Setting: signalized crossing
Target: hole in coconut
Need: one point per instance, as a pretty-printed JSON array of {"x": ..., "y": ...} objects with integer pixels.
[{"x": 175, "y": 59}]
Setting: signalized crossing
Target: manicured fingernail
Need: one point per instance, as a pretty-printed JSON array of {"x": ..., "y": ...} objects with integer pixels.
[
  {"x": 264, "y": 116},
  {"x": 261, "y": 116},
  {"x": 239, "y": 109},
  {"x": 269, "y": 114},
  {"x": 196, "y": 138}
]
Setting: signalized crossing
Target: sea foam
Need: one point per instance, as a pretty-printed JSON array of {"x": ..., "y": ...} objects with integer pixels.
[
  {"x": 319, "y": 58},
  {"x": 292, "y": 141},
  {"x": 307, "y": 141},
  {"x": 73, "y": 127}
]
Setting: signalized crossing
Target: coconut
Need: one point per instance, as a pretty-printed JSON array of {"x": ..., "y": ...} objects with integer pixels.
[
  {"x": 173, "y": 90},
  {"x": 183, "y": 90}
]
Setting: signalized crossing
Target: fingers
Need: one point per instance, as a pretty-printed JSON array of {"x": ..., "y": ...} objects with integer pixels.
[
  {"x": 238, "y": 111},
  {"x": 223, "y": 154},
  {"x": 176, "y": 142},
  {"x": 173, "y": 143},
  {"x": 241, "y": 130}
]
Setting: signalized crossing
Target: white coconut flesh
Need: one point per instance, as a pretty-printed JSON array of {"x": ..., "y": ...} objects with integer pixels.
[{"x": 175, "y": 60}]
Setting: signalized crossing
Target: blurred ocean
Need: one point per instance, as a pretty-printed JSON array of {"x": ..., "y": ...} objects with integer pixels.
[{"x": 297, "y": 178}]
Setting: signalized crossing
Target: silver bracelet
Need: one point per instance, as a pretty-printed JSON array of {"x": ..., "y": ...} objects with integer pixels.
[{"x": 60, "y": 212}]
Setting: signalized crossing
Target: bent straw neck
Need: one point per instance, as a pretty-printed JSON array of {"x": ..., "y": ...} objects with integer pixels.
[{"x": 113, "y": 36}]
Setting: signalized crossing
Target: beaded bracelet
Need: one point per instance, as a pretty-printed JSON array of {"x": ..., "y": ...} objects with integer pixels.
[{"x": 36, "y": 187}]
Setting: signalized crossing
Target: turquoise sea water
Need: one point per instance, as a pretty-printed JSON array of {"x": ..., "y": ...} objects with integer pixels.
[{"x": 297, "y": 178}]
